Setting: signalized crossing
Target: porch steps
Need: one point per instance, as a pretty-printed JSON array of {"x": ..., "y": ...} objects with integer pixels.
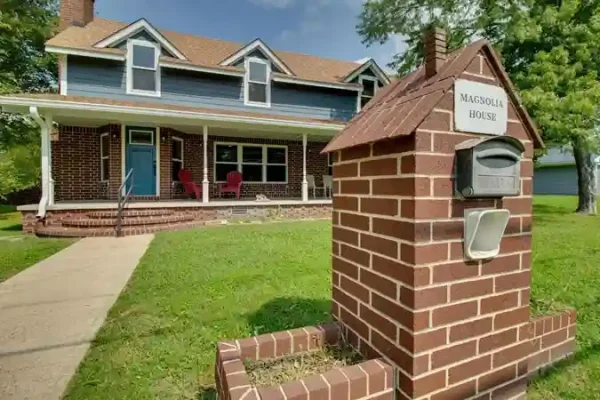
[
  {"x": 104, "y": 223},
  {"x": 127, "y": 221},
  {"x": 130, "y": 213},
  {"x": 78, "y": 232}
]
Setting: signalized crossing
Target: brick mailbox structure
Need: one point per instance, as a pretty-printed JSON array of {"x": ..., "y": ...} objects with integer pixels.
[
  {"x": 402, "y": 288},
  {"x": 431, "y": 324}
]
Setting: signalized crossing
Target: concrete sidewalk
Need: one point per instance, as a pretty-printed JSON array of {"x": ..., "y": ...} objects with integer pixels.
[{"x": 50, "y": 313}]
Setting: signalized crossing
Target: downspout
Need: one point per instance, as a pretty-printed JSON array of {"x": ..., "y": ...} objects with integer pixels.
[{"x": 45, "y": 135}]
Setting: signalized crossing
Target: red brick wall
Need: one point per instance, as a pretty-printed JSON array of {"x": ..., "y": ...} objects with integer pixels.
[
  {"x": 400, "y": 282},
  {"x": 552, "y": 339},
  {"x": 76, "y": 164}
]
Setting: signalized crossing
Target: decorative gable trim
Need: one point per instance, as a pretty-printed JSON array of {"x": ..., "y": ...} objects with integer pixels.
[
  {"x": 134, "y": 28},
  {"x": 371, "y": 64},
  {"x": 257, "y": 44}
]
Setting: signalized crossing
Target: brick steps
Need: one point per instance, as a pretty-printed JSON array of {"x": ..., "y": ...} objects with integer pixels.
[
  {"x": 127, "y": 221},
  {"x": 130, "y": 213},
  {"x": 79, "y": 232}
]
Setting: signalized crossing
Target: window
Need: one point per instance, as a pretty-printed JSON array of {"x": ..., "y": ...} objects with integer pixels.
[
  {"x": 139, "y": 136},
  {"x": 370, "y": 85},
  {"x": 257, "y": 163},
  {"x": 176, "y": 158},
  {"x": 104, "y": 157},
  {"x": 330, "y": 161},
  {"x": 257, "y": 82},
  {"x": 143, "y": 72}
]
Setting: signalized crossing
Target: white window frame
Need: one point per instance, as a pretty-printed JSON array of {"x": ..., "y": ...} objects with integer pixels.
[
  {"x": 102, "y": 158},
  {"x": 362, "y": 78},
  {"x": 151, "y": 131},
  {"x": 143, "y": 43},
  {"x": 247, "y": 82},
  {"x": 239, "y": 162},
  {"x": 178, "y": 139}
]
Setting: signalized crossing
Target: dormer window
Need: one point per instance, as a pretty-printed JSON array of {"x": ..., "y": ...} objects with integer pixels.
[
  {"x": 143, "y": 71},
  {"x": 257, "y": 82},
  {"x": 370, "y": 85}
]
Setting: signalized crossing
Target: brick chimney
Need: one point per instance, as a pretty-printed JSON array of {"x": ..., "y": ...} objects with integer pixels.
[
  {"x": 435, "y": 47},
  {"x": 76, "y": 12}
]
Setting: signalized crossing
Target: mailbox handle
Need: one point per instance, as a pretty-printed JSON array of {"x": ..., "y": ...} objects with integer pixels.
[{"x": 500, "y": 153}]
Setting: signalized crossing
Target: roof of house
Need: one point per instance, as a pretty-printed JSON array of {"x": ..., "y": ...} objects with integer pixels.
[
  {"x": 164, "y": 107},
  {"x": 203, "y": 51},
  {"x": 403, "y": 105}
]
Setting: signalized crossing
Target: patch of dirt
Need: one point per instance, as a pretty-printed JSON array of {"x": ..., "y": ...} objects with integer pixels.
[{"x": 277, "y": 371}]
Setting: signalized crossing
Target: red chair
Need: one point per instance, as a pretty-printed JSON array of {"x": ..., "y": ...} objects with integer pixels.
[
  {"x": 190, "y": 187},
  {"x": 233, "y": 185}
]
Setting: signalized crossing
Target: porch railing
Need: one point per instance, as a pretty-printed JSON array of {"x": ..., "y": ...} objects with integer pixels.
[{"x": 123, "y": 200}]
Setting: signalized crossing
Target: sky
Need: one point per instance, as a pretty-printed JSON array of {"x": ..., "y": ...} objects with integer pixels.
[{"x": 324, "y": 28}]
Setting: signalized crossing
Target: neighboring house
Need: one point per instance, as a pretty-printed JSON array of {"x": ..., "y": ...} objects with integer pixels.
[
  {"x": 138, "y": 104},
  {"x": 555, "y": 173}
]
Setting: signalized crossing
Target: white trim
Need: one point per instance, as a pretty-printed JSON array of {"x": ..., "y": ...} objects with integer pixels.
[
  {"x": 157, "y": 112},
  {"x": 141, "y": 130},
  {"x": 257, "y": 44},
  {"x": 382, "y": 76},
  {"x": 190, "y": 67},
  {"x": 157, "y": 160},
  {"x": 304, "y": 181},
  {"x": 205, "y": 164},
  {"x": 123, "y": 157},
  {"x": 134, "y": 28},
  {"x": 130, "y": 67},
  {"x": 240, "y": 161},
  {"x": 298, "y": 81},
  {"x": 102, "y": 158},
  {"x": 84, "y": 53},
  {"x": 182, "y": 161},
  {"x": 362, "y": 78},
  {"x": 247, "y": 82},
  {"x": 45, "y": 124},
  {"x": 62, "y": 64}
]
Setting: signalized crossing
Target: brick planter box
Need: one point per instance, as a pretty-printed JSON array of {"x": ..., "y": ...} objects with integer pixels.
[
  {"x": 552, "y": 339},
  {"x": 371, "y": 379}
]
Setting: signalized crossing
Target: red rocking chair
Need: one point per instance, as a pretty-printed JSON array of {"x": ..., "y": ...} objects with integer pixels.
[
  {"x": 233, "y": 185},
  {"x": 190, "y": 187}
]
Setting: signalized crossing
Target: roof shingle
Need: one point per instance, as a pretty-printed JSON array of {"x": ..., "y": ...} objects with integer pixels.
[{"x": 203, "y": 51}]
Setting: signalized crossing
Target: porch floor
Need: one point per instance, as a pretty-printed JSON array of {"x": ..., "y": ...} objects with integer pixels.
[{"x": 183, "y": 203}]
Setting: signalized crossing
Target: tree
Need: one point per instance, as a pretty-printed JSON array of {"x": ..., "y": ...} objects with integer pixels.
[
  {"x": 25, "y": 26},
  {"x": 550, "y": 49}
]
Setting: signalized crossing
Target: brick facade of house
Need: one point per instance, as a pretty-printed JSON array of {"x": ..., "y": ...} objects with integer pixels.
[
  {"x": 401, "y": 285},
  {"x": 76, "y": 164}
]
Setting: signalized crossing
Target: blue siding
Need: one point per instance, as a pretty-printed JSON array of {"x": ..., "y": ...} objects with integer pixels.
[
  {"x": 106, "y": 79},
  {"x": 557, "y": 180}
]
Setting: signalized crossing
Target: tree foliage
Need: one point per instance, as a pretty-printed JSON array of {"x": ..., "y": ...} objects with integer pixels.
[
  {"x": 25, "y": 26},
  {"x": 550, "y": 48}
]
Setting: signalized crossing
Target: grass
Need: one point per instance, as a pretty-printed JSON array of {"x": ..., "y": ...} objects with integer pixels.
[
  {"x": 18, "y": 252},
  {"x": 194, "y": 288}
]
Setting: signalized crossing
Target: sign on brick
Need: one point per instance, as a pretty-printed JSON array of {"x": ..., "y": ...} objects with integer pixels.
[{"x": 480, "y": 108}]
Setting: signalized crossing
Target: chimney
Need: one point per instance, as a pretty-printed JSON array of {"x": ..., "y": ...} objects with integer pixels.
[
  {"x": 76, "y": 12},
  {"x": 435, "y": 50}
]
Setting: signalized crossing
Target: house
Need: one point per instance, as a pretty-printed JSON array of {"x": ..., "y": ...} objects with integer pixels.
[
  {"x": 555, "y": 173},
  {"x": 138, "y": 104}
]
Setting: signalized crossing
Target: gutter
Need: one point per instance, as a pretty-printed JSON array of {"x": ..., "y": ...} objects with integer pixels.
[
  {"x": 157, "y": 112},
  {"x": 45, "y": 200}
]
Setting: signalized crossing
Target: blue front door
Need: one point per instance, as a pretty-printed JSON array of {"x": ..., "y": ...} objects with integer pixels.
[{"x": 141, "y": 158}]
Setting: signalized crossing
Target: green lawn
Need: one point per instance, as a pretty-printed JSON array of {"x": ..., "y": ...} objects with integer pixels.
[
  {"x": 18, "y": 252},
  {"x": 194, "y": 288}
]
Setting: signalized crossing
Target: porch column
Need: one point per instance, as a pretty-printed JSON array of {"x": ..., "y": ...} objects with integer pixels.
[
  {"x": 205, "y": 164},
  {"x": 304, "y": 182},
  {"x": 46, "y": 150},
  {"x": 50, "y": 178}
]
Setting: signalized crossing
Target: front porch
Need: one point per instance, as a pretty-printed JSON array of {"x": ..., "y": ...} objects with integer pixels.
[{"x": 95, "y": 152}]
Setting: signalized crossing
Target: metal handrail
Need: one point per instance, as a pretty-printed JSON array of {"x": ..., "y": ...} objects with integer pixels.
[{"x": 123, "y": 200}]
